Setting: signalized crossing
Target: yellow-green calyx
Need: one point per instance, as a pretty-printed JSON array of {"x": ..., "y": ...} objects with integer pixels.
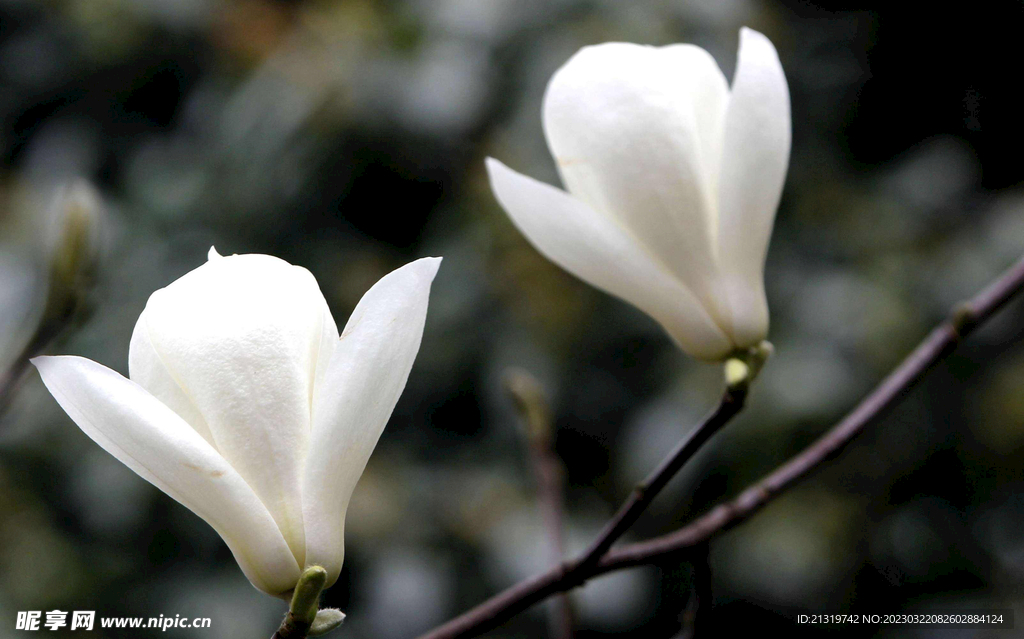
[{"x": 744, "y": 365}]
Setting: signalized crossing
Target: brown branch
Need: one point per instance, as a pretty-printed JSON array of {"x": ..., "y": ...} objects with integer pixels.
[
  {"x": 939, "y": 343},
  {"x": 293, "y": 628},
  {"x": 549, "y": 478},
  {"x": 570, "y": 574},
  {"x": 644, "y": 493}
]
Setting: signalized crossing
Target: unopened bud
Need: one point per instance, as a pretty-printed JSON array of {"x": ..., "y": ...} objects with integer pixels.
[
  {"x": 528, "y": 396},
  {"x": 74, "y": 248},
  {"x": 758, "y": 356},
  {"x": 306, "y": 597},
  {"x": 326, "y": 620},
  {"x": 737, "y": 374}
]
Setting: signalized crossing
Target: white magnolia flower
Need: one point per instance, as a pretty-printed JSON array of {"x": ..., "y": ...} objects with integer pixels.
[
  {"x": 673, "y": 180},
  {"x": 245, "y": 406}
]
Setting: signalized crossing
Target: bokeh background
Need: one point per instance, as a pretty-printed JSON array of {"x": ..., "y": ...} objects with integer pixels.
[{"x": 349, "y": 137}]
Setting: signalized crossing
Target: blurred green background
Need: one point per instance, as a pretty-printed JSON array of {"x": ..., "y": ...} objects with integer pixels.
[{"x": 349, "y": 137}]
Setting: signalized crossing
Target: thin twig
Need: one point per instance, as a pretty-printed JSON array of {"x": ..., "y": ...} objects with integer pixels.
[
  {"x": 574, "y": 573},
  {"x": 699, "y": 604},
  {"x": 563, "y": 619},
  {"x": 939, "y": 343},
  {"x": 644, "y": 493},
  {"x": 548, "y": 475},
  {"x": 45, "y": 334},
  {"x": 10, "y": 378}
]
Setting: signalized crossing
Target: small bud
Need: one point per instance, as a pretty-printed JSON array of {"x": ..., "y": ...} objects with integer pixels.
[
  {"x": 73, "y": 248},
  {"x": 326, "y": 620},
  {"x": 528, "y": 396},
  {"x": 758, "y": 356},
  {"x": 737, "y": 374},
  {"x": 743, "y": 367}
]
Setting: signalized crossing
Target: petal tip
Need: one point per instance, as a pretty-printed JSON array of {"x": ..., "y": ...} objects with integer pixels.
[
  {"x": 753, "y": 38},
  {"x": 46, "y": 361},
  {"x": 423, "y": 270},
  {"x": 747, "y": 32},
  {"x": 494, "y": 165},
  {"x": 430, "y": 266},
  {"x": 501, "y": 177}
]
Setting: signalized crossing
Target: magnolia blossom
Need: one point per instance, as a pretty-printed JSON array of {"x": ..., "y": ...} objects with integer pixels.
[
  {"x": 246, "y": 406},
  {"x": 673, "y": 180}
]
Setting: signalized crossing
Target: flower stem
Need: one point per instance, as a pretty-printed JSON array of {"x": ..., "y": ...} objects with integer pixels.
[{"x": 304, "y": 606}]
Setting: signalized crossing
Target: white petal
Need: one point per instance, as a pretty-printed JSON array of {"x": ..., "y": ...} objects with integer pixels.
[
  {"x": 242, "y": 337},
  {"x": 755, "y": 156},
  {"x": 149, "y": 438},
  {"x": 366, "y": 375},
  {"x": 148, "y": 371},
  {"x": 604, "y": 254},
  {"x": 635, "y": 131}
]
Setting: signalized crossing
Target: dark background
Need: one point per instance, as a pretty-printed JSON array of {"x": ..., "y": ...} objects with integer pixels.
[{"x": 349, "y": 137}]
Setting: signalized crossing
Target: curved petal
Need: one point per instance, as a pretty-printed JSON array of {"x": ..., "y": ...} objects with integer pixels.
[
  {"x": 149, "y": 371},
  {"x": 364, "y": 379},
  {"x": 755, "y": 156},
  {"x": 153, "y": 441},
  {"x": 241, "y": 336},
  {"x": 636, "y": 133},
  {"x": 603, "y": 254}
]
